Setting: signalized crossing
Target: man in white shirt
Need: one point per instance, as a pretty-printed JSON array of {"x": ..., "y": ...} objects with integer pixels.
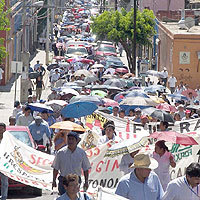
[
  {"x": 55, "y": 76},
  {"x": 185, "y": 187},
  {"x": 172, "y": 83},
  {"x": 1, "y": 74},
  {"x": 165, "y": 76}
]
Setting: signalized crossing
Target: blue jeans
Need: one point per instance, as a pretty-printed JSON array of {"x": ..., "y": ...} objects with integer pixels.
[{"x": 4, "y": 186}]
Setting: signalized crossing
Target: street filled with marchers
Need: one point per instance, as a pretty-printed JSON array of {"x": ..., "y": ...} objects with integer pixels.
[{"x": 102, "y": 118}]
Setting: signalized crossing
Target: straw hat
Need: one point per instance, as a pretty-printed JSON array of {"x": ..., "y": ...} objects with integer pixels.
[{"x": 144, "y": 161}]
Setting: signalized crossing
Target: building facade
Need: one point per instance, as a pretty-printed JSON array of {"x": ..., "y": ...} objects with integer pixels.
[{"x": 179, "y": 52}]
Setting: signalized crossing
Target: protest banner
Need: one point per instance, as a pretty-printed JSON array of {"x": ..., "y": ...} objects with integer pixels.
[
  {"x": 24, "y": 164},
  {"x": 105, "y": 170}
]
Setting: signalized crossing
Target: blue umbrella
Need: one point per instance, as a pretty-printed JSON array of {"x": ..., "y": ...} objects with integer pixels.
[
  {"x": 178, "y": 97},
  {"x": 154, "y": 88},
  {"x": 40, "y": 107},
  {"x": 137, "y": 94},
  {"x": 78, "y": 109}
]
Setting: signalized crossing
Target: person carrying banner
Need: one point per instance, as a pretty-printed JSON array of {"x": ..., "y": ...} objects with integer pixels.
[
  {"x": 165, "y": 159},
  {"x": 109, "y": 135},
  {"x": 185, "y": 187},
  {"x": 141, "y": 183},
  {"x": 70, "y": 160},
  {"x": 72, "y": 188},
  {"x": 4, "y": 179}
]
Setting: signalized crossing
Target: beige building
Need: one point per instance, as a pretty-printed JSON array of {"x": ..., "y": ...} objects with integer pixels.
[{"x": 179, "y": 51}]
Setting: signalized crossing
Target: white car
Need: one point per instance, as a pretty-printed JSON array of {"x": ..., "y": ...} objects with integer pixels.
[{"x": 72, "y": 52}]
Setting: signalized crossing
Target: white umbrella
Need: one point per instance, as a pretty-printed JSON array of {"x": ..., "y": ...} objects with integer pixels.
[
  {"x": 57, "y": 102},
  {"x": 82, "y": 72},
  {"x": 97, "y": 66},
  {"x": 69, "y": 91}
]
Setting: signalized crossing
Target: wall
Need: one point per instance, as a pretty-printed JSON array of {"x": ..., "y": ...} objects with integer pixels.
[
  {"x": 188, "y": 73},
  {"x": 156, "y": 5}
]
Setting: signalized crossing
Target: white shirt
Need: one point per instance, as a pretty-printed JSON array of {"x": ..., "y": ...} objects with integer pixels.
[
  {"x": 163, "y": 168},
  {"x": 165, "y": 74},
  {"x": 103, "y": 139},
  {"x": 55, "y": 77},
  {"x": 109, "y": 71},
  {"x": 172, "y": 81},
  {"x": 1, "y": 72},
  {"x": 125, "y": 162},
  {"x": 178, "y": 189}
]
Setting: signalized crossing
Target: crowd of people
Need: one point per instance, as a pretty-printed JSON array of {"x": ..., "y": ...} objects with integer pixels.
[{"x": 146, "y": 177}]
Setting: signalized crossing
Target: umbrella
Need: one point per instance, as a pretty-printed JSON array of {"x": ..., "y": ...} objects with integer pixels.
[
  {"x": 193, "y": 107},
  {"x": 157, "y": 99},
  {"x": 121, "y": 70},
  {"x": 97, "y": 66},
  {"x": 107, "y": 76},
  {"x": 178, "y": 97},
  {"x": 186, "y": 93},
  {"x": 82, "y": 72},
  {"x": 109, "y": 102},
  {"x": 128, "y": 146},
  {"x": 99, "y": 93},
  {"x": 94, "y": 99},
  {"x": 134, "y": 102},
  {"x": 90, "y": 79},
  {"x": 115, "y": 82},
  {"x": 154, "y": 88},
  {"x": 174, "y": 137},
  {"x": 154, "y": 73},
  {"x": 158, "y": 114},
  {"x": 118, "y": 97},
  {"x": 40, "y": 107},
  {"x": 137, "y": 94},
  {"x": 166, "y": 107},
  {"x": 57, "y": 102},
  {"x": 69, "y": 91},
  {"x": 138, "y": 101},
  {"x": 59, "y": 57},
  {"x": 78, "y": 109},
  {"x": 68, "y": 125},
  {"x": 81, "y": 83},
  {"x": 128, "y": 75},
  {"x": 104, "y": 110}
]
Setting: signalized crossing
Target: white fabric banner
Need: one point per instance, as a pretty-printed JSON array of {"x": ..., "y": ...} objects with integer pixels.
[{"x": 25, "y": 164}]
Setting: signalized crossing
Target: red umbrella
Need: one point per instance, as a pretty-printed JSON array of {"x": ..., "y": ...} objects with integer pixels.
[
  {"x": 121, "y": 70},
  {"x": 166, "y": 107},
  {"x": 80, "y": 9},
  {"x": 71, "y": 26},
  {"x": 174, "y": 137},
  {"x": 87, "y": 61},
  {"x": 110, "y": 102},
  {"x": 59, "y": 57},
  {"x": 186, "y": 93}
]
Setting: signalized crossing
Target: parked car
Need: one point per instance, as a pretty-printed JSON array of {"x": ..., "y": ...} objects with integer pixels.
[{"x": 23, "y": 134}]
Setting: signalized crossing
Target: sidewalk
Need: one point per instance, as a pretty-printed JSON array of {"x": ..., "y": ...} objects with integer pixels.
[{"x": 7, "y": 92}]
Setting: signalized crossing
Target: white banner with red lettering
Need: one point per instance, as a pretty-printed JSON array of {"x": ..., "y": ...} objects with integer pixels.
[{"x": 24, "y": 164}]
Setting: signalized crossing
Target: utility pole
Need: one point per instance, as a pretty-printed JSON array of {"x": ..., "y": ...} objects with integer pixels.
[
  {"x": 115, "y": 5},
  {"x": 134, "y": 35},
  {"x": 47, "y": 36}
]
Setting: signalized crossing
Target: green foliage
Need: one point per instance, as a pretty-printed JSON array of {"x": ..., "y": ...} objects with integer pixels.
[
  {"x": 4, "y": 22},
  {"x": 119, "y": 27}
]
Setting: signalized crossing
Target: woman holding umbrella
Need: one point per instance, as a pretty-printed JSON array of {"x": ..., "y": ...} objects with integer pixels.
[{"x": 165, "y": 159}]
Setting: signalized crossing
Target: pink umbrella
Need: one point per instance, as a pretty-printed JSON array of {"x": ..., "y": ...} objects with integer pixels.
[
  {"x": 59, "y": 57},
  {"x": 166, "y": 107},
  {"x": 174, "y": 137},
  {"x": 186, "y": 93},
  {"x": 110, "y": 102},
  {"x": 121, "y": 70}
]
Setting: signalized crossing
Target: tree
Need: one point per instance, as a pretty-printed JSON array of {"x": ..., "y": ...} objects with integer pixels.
[
  {"x": 4, "y": 22},
  {"x": 118, "y": 27}
]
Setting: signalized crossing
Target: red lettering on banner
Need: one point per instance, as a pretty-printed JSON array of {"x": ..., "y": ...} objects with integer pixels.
[
  {"x": 96, "y": 151},
  {"x": 89, "y": 153},
  {"x": 44, "y": 184},
  {"x": 127, "y": 135},
  {"x": 128, "y": 126},
  {"x": 134, "y": 136},
  {"x": 109, "y": 144},
  {"x": 33, "y": 161},
  {"x": 38, "y": 160},
  {"x": 120, "y": 135},
  {"x": 34, "y": 182},
  {"x": 108, "y": 162},
  {"x": 98, "y": 169},
  {"x": 115, "y": 165},
  {"x": 97, "y": 123}
]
